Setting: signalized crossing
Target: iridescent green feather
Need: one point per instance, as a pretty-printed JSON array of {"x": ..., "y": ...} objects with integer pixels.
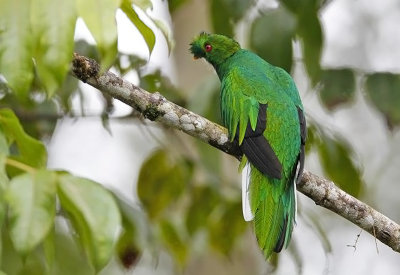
[{"x": 246, "y": 82}]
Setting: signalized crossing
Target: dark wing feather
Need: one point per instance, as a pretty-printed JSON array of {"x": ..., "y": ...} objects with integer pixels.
[
  {"x": 257, "y": 148},
  {"x": 303, "y": 135}
]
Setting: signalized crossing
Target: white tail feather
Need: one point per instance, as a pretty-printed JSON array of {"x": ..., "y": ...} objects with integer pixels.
[
  {"x": 247, "y": 214},
  {"x": 295, "y": 201}
]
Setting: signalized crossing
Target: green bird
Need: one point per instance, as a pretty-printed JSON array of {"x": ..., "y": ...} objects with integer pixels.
[{"x": 262, "y": 109}]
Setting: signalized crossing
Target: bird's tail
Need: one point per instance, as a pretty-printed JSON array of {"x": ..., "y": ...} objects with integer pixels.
[{"x": 273, "y": 203}]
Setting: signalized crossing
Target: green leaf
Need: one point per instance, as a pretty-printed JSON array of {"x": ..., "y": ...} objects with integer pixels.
[
  {"x": 203, "y": 201},
  {"x": 299, "y": 6},
  {"x": 128, "y": 251},
  {"x": 16, "y": 46},
  {"x": 161, "y": 182},
  {"x": 32, "y": 206},
  {"x": 143, "y": 4},
  {"x": 94, "y": 214},
  {"x": 237, "y": 8},
  {"x": 157, "y": 82},
  {"x": 30, "y": 150},
  {"x": 220, "y": 18},
  {"x": 65, "y": 93},
  {"x": 337, "y": 87},
  {"x": 227, "y": 227},
  {"x": 146, "y": 32},
  {"x": 53, "y": 23},
  {"x": 310, "y": 33},
  {"x": 383, "y": 90},
  {"x": 166, "y": 31},
  {"x": 3, "y": 143},
  {"x": 271, "y": 37},
  {"x": 3, "y": 186},
  {"x": 49, "y": 248},
  {"x": 174, "y": 5},
  {"x": 69, "y": 258},
  {"x": 224, "y": 13},
  {"x": 99, "y": 16},
  {"x": 174, "y": 242},
  {"x": 312, "y": 136},
  {"x": 335, "y": 156}
]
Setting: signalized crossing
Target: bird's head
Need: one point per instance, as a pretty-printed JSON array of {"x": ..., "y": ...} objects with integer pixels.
[{"x": 215, "y": 48}]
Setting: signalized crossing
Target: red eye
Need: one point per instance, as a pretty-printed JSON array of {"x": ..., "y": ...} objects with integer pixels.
[{"x": 208, "y": 47}]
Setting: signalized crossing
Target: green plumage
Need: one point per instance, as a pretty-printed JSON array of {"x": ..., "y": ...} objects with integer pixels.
[{"x": 248, "y": 84}]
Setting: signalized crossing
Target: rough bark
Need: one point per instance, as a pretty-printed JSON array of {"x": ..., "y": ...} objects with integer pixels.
[{"x": 155, "y": 107}]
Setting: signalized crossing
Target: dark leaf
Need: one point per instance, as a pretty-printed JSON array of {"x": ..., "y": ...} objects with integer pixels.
[
  {"x": 383, "y": 90},
  {"x": 312, "y": 139},
  {"x": 174, "y": 5},
  {"x": 161, "y": 182},
  {"x": 203, "y": 201},
  {"x": 206, "y": 100},
  {"x": 299, "y": 6},
  {"x": 271, "y": 37},
  {"x": 128, "y": 62},
  {"x": 221, "y": 20},
  {"x": 310, "y": 33},
  {"x": 224, "y": 13},
  {"x": 157, "y": 82},
  {"x": 174, "y": 242},
  {"x": 335, "y": 156},
  {"x": 66, "y": 92},
  {"x": 225, "y": 229},
  {"x": 127, "y": 249},
  {"x": 337, "y": 87},
  {"x": 237, "y": 8},
  {"x": 84, "y": 48}
]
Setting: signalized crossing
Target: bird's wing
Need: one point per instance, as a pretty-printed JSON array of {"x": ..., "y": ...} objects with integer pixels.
[
  {"x": 244, "y": 112},
  {"x": 257, "y": 148}
]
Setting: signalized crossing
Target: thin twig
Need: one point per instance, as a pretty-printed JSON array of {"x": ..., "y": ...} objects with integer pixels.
[{"x": 355, "y": 242}]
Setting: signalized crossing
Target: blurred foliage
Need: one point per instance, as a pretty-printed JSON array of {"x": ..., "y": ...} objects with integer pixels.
[
  {"x": 271, "y": 37},
  {"x": 226, "y": 13},
  {"x": 383, "y": 90},
  {"x": 156, "y": 82},
  {"x": 337, "y": 86},
  {"x": 56, "y": 223},
  {"x": 161, "y": 182},
  {"x": 29, "y": 192},
  {"x": 336, "y": 157}
]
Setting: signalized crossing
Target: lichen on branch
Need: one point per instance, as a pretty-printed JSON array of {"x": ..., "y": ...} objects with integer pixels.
[{"x": 157, "y": 108}]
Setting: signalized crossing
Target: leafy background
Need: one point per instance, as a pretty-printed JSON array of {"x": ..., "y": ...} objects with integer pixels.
[{"x": 87, "y": 186}]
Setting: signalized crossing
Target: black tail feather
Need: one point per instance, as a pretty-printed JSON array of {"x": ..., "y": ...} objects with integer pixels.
[{"x": 282, "y": 235}]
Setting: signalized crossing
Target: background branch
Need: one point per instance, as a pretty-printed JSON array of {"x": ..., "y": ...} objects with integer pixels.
[{"x": 155, "y": 107}]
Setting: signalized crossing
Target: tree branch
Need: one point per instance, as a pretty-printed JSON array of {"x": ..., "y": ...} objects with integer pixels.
[{"x": 156, "y": 108}]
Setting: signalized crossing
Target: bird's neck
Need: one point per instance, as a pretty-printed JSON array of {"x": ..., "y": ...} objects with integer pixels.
[{"x": 223, "y": 67}]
